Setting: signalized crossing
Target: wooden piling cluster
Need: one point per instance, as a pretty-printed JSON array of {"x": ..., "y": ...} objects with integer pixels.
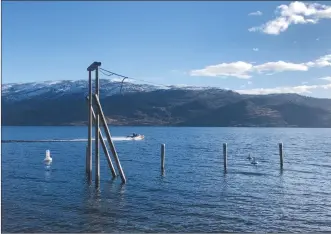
[{"x": 95, "y": 117}]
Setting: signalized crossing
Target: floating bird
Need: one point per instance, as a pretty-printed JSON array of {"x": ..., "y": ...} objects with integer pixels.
[
  {"x": 249, "y": 157},
  {"x": 254, "y": 162}
]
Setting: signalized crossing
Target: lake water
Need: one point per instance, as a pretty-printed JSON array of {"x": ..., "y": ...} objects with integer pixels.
[{"x": 194, "y": 195}]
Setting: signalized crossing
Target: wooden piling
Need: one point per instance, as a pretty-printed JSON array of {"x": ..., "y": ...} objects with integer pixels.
[
  {"x": 89, "y": 144},
  {"x": 225, "y": 156},
  {"x": 108, "y": 136},
  {"x": 281, "y": 154},
  {"x": 162, "y": 157},
  {"x": 87, "y": 159},
  {"x": 97, "y": 153},
  {"x": 103, "y": 144},
  {"x": 110, "y": 163}
]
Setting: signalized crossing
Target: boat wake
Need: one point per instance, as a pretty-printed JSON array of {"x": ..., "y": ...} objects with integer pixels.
[{"x": 120, "y": 138}]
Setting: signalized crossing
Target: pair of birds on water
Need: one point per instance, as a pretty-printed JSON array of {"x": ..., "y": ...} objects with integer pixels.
[{"x": 252, "y": 160}]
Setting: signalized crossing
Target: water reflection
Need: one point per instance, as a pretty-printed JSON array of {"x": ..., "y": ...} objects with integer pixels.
[{"x": 48, "y": 171}]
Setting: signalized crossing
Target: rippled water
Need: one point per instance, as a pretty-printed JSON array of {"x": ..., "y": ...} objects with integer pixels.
[{"x": 194, "y": 195}]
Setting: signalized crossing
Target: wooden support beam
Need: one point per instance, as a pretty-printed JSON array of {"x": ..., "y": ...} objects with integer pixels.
[
  {"x": 105, "y": 150},
  {"x": 93, "y": 66},
  {"x": 110, "y": 142}
]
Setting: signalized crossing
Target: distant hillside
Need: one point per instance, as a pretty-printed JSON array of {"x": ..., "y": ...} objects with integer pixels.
[{"x": 64, "y": 103}]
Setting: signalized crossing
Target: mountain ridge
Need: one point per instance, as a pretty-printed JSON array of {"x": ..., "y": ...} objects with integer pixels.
[{"x": 64, "y": 103}]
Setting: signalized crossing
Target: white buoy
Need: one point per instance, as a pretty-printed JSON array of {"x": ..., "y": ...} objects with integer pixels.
[{"x": 48, "y": 158}]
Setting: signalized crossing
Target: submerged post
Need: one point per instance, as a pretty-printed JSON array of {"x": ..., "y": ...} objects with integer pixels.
[
  {"x": 162, "y": 157},
  {"x": 281, "y": 155},
  {"x": 91, "y": 68},
  {"x": 89, "y": 144},
  {"x": 225, "y": 155},
  {"x": 87, "y": 159},
  {"x": 97, "y": 153}
]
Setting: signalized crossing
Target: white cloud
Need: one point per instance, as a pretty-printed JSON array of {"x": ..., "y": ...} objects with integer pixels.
[
  {"x": 327, "y": 78},
  {"x": 280, "y": 66},
  {"x": 244, "y": 70},
  {"x": 294, "y": 89},
  {"x": 256, "y": 13},
  {"x": 294, "y": 13},
  {"x": 324, "y": 61},
  {"x": 237, "y": 69},
  {"x": 255, "y": 49}
]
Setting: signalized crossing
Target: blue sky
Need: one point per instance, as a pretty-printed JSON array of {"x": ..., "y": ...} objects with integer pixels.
[{"x": 194, "y": 43}]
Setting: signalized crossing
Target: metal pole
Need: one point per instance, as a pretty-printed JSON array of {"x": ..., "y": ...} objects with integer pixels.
[
  {"x": 89, "y": 144},
  {"x": 97, "y": 154}
]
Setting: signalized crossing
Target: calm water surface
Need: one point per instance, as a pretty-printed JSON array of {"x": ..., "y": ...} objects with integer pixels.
[{"x": 194, "y": 195}]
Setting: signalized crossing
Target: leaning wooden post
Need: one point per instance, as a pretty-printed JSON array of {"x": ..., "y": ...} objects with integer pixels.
[
  {"x": 110, "y": 164},
  {"x": 110, "y": 142},
  {"x": 162, "y": 157},
  {"x": 103, "y": 144},
  {"x": 281, "y": 155},
  {"x": 225, "y": 156}
]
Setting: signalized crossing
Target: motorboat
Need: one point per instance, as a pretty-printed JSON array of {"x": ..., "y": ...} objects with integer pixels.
[{"x": 135, "y": 136}]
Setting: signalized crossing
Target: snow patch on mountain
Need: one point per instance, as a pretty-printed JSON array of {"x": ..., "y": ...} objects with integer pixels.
[{"x": 53, "y": 89}]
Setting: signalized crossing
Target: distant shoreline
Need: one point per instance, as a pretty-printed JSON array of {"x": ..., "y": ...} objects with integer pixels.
[{"x": 165, "y": 126}]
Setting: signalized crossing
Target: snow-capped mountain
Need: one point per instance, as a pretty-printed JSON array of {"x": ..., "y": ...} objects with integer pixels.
[
  {"x": 53, "y": 89},
  {"x": 44, "y": 103}
]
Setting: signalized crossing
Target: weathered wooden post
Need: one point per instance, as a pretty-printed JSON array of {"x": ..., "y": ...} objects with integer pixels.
[
  {"x": 108, "y": 136},
  {"x": 225, "y": 156},
  {"x": 87, "y": 159},
  {"x": 92, "y": 67},
  {"x": 103, "y": 144},
  {"x": 89, "y": 143},
  {"x": 97, "y": 123},
  {"x": 94, "y": 99},
  {"x": 162, "y": 157},
  {"x": 281, "y": 155}
]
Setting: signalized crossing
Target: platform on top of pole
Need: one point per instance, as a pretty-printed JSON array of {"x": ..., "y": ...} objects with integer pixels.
[{"x": 94, "y": 66}]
